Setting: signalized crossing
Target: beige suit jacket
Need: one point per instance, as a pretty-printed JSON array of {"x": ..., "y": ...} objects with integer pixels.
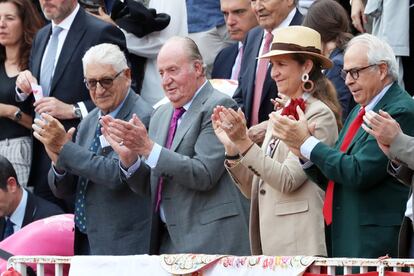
[{"x": 286, "y": 208}]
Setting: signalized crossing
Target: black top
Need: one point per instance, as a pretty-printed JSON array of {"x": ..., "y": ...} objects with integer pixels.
[{"x": 9, "y": 128}]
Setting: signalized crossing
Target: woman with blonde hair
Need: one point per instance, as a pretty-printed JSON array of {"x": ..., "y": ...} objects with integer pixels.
[{"x": 286, "y": 207}]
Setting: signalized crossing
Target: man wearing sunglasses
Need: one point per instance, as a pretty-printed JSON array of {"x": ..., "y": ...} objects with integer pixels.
[
  {"x": 109, "y": 218},
  {"x": 364, "y": 205}
]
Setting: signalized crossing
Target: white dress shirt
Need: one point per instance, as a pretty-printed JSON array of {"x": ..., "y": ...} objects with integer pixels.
[{"x": 18, "y": 214}]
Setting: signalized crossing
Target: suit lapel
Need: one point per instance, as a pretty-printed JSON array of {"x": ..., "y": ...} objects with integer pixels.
[
  {"x": 163, "y": 124},
  {"x": 2, "y": 225},
  {"x": 42, "y": 38},
  {"x": 123, "y": 114},
  {"x": 257, "y": 38},
  {"x": 75, "y": 34},
  {"x": 389, "y": 95},
  {"x": 30, "y": 210},
  {"x": 191, "y": 114}
]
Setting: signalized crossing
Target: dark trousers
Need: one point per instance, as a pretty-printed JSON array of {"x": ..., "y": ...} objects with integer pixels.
[{"x": 81, "y": 243}]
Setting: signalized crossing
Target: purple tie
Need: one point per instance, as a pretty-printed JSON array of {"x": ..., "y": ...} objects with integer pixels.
[{"x": 178, "y": 112}]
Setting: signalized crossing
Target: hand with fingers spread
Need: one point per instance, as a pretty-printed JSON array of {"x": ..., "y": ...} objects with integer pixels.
[
  {"x": 291, "y": 132},
  {"x": 234, "y": 124},
  {"x": 229, "y": 146},
  {"x": 52, "y": 134},
  {"x": 279, "y": 102},
  {"x": 24, "y": 81},
  {"x": 54, "y": 107},
  {"x": 383, "y": 127},
  {"x": 132, "y": 134}
]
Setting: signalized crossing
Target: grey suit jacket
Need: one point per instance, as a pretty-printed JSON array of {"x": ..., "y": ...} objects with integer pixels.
[
  {"x": 117, "y": 219},
  {"x": 402, "y": 149},
  {"x": 205, "y": 213}
]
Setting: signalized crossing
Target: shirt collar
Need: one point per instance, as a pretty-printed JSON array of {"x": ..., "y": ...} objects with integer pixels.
[
  {"x": 287, "y": 20},
  {"x": 187, "y": 105},
  {"x": 67, "y": 22},
  {"x": 377, "y": 98},
  {"x": 115, "y": 112},
  {"x": 18, "y": 214}
]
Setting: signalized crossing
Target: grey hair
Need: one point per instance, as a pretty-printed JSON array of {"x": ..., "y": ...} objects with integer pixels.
[
  {"x": 105, "y": 54},
  {"x": 378, "y": 52},
  {"x": 192, "y": 50}
]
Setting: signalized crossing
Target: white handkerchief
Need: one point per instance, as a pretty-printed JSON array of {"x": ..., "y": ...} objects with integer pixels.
[
  {"x": 37, "y": 91},
  {"x": 103, "y": 141}
]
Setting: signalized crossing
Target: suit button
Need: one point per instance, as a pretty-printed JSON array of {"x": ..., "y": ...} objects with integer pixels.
[{"x": 262, "y": 192}]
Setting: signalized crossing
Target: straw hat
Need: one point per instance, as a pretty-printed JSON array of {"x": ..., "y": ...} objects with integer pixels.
[{"x": 297, "y": 40}]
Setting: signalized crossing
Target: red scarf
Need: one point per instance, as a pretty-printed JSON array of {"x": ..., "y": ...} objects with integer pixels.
[{"x": 291, "y": 108}]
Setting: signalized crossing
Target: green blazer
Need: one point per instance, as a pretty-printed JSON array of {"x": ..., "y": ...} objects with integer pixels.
[{"x": 368, "y": 203}]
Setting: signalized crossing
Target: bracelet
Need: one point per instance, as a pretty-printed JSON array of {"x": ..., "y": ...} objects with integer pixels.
[{"x": 231, "y": 157}]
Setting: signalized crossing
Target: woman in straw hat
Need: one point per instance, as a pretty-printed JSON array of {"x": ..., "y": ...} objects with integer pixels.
[{"x": 286, "y": 207}]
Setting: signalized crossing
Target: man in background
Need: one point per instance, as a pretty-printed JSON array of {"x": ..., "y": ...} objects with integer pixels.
[{"x": 239, "y": 18}]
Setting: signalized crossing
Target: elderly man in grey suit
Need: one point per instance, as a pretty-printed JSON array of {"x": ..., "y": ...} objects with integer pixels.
[
  {"x": 399, "y": 148},
  {"x": 109, "y": 218},
  {"x": 196, "y": 209}
]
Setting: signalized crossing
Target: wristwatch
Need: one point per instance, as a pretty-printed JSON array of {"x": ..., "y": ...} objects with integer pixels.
[
  {"x": 77, "y": 111},
  {"x": 17, "y": 115}
]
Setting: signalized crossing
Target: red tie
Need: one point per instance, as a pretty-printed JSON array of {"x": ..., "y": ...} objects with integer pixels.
[
  {"x": 260, "y": 78},
  {"x": 178, "y": 112},
  {"x": 353, "y": 129}
]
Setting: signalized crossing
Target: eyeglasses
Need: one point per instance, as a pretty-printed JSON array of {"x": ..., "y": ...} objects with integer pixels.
[
  {"x": 105, "y": 83},
  {"x": 355, "y": 71}
]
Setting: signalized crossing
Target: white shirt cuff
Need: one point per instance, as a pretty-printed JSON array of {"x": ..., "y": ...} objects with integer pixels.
[
  {"x": 409, "y": 209},
  {"x": 153, "y": 157},
  {"x": 308, "y": 146},
  {"x": 59, "y": 176},
  {"x": 306, "y": 164},
  {"x": 132, "y": 169},
  {"x": 83, "y": 109}
]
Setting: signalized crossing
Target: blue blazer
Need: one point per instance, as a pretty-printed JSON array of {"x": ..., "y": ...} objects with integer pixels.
[
  {"x": 334, "y": 75},
  {"x": 224, "y": 62},
  {"x": 67, "y": 83},
  {"x": 244, "y": 92}
]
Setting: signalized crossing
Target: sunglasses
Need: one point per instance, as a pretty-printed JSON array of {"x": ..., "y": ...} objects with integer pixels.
[
  {"x": 355, "y": 71},
  {"x": 105, "y": 83}
]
